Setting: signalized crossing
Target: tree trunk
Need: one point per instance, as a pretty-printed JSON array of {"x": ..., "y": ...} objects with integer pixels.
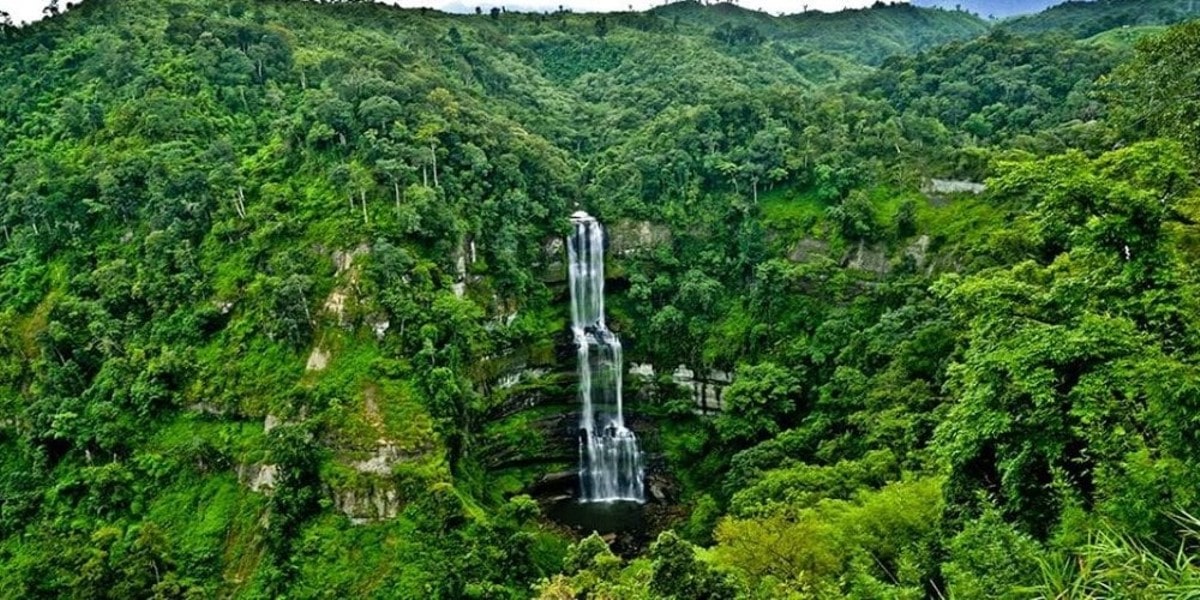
[
  {"x": 362, "y": 195},
  {"x": 240, "y": 202},
  {"x": 396, "y": 189},
  {"x": 307, "y": 314},
  {"x": 433, "y": 153}
]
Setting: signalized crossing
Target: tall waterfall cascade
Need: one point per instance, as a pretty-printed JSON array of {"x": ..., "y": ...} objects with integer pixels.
[{"x": 610, "y": 463}]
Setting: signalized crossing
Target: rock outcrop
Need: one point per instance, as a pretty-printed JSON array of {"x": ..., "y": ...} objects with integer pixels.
[
  {"x": 631, "y": 237},
  {"x": 872, "y": 258},
  {"x": 809, "y": 250},
  {"x": 318, "y": 359},
  {"x": 258, "y": 477},
  {"x": 377, "y": 500},
  {"x": 950, "y": 186},
  {"x": 918, "y": 251}
]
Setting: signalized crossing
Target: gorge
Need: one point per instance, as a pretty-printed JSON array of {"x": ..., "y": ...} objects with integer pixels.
[{"x": 888, "y": 303}]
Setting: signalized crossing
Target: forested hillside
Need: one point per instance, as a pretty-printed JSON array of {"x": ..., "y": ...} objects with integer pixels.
[
  {"x": 1085, "y": 19},
  {"x": 864, "y": 35},
  {"x": 283, "y": 309}
]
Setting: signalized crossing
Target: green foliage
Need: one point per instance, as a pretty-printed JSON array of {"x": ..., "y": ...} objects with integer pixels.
[
  {"x": 880, "y": 536},
  {"x": 281, "y": 312},
  {"x": 566, "y": 58},
  {"x": 590, "y": 552},
  {"x": 990, "y": 559},
  {"x": 854, "y": 217},
  {"x": 679, "y": 575},
  {"x": 591, "y": 570},
  {"x": 998, "y": 89},
  {"x": 891, "y": 28},
  {"x": 703, "y": 518},
  {"x": 1046, "y": 370},
  {"x": 1154, "y": 94},
  {"x": 1084, "y": 20},
  {"x": 757, "y": 403},
  {"x": 805, "y": 485},
  {"x": 1113, "y": 564},
  {"x": 296, "y": 484},
  {"x": 905, "y": 221}
]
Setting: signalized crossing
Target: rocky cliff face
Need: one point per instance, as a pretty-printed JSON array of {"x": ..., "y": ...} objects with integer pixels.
[
  {"x": 868, "y": 257},
  {"x": 530, "y": 430},
  {"x": 631, "y": 237}
]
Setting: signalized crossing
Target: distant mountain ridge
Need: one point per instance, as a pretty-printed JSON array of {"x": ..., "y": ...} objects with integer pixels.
[
  {"x": 1086, "y": 19},
  {"x": 887, "y": 28},
  {"x": 999, "y": 9},
  {"x": 866, "y": 35}
]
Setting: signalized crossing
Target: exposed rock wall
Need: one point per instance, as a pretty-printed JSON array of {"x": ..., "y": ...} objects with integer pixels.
[
  {"x": 950, "y": 186},
  {"x": 631, "y": 237},
  {"x": 258, "y": 477},
  {"x": 378, "y": 500},
  {"x": 872, "y": 258},
  {"x": 808, "y": 250},
  {"x": 707, "y": 389},
  {"x": 918, "y": 251}
]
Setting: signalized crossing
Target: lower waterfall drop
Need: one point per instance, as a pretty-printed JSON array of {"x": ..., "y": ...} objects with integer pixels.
[{"x": 610, "y": 463}]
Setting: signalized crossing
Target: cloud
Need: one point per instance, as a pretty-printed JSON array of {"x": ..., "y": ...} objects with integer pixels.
[{"x": 23, "y": 10}]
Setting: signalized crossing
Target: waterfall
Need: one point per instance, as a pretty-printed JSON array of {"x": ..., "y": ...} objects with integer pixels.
[{"x": 610, "y": 463}]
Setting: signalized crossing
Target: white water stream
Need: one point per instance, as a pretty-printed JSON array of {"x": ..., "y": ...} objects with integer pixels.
[{"x": 610, "y": 463}]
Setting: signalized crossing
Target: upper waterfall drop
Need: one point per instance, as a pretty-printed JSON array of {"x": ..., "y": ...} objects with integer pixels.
[{"x": 610, "y": 462}]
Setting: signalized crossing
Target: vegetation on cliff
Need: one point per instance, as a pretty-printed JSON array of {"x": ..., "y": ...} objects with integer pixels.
[{"x": 282, "y": 314}]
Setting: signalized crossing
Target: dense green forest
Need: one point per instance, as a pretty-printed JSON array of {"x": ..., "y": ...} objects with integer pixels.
[{"x": 283, "y": 305}]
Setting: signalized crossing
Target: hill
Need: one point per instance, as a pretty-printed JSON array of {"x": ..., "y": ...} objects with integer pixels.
[
  {"x": 284, "y": 304},
  {"x": 867, "y": 35},
  {"x": 1086, "y": 19}
]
